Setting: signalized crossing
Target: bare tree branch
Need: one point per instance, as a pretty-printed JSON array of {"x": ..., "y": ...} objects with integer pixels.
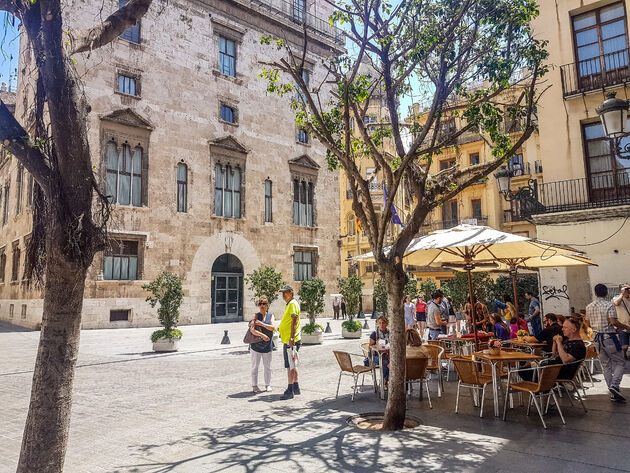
[{"x": 105, "y": 32}]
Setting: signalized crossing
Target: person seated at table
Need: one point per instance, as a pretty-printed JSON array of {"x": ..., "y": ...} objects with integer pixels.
[
  {"x": 415, "y": 349},
  {"x": 514, "y": 328},
  {"x": 522, "y": 323},
  {"x": 481, "y": 315},
  {"x": 501, "y": 330},
  {"x": 552, "y": 328},
  {"x": 568, "y": 347},
  {"x": 381, "y": 333},
  {"x": 586, "y": 332}
]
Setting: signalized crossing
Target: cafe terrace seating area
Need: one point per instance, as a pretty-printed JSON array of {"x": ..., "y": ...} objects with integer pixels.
[{"x": 491, "y": 380}]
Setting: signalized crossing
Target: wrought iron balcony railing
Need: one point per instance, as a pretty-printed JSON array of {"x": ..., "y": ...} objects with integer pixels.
[
  {"x": 295, "y": 11},
  {"x": 604, "y": 189},
  {"x": 595, "y": 73}
]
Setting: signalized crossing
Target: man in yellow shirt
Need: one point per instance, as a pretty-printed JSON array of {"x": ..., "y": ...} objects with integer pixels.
[{"x": 289, "y": 330}]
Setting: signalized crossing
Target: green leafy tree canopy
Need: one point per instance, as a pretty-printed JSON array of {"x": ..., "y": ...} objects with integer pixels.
[
  {"x": 380, "y": 296},
  {"x": 411, "y": 287},
  {"x": 311, "y": 296},
  {"x": 350, "y": 288},
  {"x": 166, "y": 290},
  {"x": 427, "y": 288},
  {"x": 483, "y": 286},
  {"x": 264, "y": 281}
]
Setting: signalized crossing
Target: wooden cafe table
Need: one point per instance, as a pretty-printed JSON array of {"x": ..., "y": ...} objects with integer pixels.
[
  {"x": 531, "y": 346},
  {"x": 505, "y": 357}
]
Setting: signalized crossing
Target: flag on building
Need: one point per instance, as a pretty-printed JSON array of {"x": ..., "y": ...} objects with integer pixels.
[
  {"x": 359, "y": 227},
  {"x": 395, "y": 217}
]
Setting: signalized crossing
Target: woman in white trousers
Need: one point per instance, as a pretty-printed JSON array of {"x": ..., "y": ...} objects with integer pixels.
[{"x": 262, "y": 325}]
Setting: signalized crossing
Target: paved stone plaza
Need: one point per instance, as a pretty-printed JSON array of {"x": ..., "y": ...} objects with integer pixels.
[{"x": 192, "y": 411}]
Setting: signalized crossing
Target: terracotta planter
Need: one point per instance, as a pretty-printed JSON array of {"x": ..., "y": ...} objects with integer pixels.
[{"x": 166, "y": 344}]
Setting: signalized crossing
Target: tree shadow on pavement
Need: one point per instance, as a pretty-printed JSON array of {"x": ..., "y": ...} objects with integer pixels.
[{"x": 312, "y": 437}]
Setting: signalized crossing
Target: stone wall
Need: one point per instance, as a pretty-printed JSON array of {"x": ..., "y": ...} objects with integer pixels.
[{"x": 176, "y": 119}]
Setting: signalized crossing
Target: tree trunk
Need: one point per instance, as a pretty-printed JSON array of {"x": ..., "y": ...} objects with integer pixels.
[
  {"x": 395, "y": 280},
  {"x": 46, "y": 432}
]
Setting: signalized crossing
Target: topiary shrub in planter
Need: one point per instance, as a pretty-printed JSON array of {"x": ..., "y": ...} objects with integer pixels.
[
  {"x": 166, "y": 290},
  {"x": 351, "y": 329},
  {"x": 351, "y": 288},
  {"x": 311, "y": 296}
]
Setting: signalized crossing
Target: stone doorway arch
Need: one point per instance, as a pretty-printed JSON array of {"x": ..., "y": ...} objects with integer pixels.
[{"x": 227, "y": 289}]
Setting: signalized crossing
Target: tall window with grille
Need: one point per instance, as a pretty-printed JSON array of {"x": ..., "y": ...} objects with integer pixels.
[
  {"x": 121, "y": 261},
  {"x": 476, "y": 208},
  {"x": 15, "y": 262},
  {"x": 303, "y": 269},
  {"x": 227, "y": 57},
  {"x": 227, "y": 191},
  {"x": 182, "y": 187},
  {"x": 303, "y": 203},
  {"x": 268, "y": 201},
  {"x": 601, "y": 42},
  {"x": 124, "y": 174},
  {"x": 132, "y": 33},
  {"x": 19, "y": 179},
  {"x": 3, "y": 264},
  {"x": 299, "y": 11},
  {"x": 5, "y": 204}
]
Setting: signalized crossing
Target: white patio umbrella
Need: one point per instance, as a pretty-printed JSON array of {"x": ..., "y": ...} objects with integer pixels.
[{"x": 467, "y": 245}]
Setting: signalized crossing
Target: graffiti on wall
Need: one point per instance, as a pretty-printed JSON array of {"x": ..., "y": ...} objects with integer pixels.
[{"x": 552, "y": 292}]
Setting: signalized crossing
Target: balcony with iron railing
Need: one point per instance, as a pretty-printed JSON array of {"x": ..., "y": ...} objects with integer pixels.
[
  {"x": 295, "y": 12},
  {"x": 450, "y": 223},
  {"x": 597, "y": 73},
  {"x": 603, "y": 189}
]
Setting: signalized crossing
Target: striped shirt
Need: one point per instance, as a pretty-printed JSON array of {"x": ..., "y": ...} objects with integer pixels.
[{"x": 598, "y": 312}]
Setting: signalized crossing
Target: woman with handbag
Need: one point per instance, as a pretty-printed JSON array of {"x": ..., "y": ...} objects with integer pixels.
[{"x": 262, "y": 327}]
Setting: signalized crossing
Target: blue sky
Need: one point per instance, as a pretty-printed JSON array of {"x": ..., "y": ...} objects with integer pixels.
[{"x": 9, "y": 46}]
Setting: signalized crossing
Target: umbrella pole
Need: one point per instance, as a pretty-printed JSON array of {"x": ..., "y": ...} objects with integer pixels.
[
  {"x": 473, "y": 317},
  {"x": 513, "y": 274}
]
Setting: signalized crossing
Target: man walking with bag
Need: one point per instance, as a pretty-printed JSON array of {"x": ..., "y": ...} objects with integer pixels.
[
  {"x": 289, "y": 330},
  {"x": 603, "y": 318}
]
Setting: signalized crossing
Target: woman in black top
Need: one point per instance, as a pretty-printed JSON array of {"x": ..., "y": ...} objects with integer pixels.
[{"x": 263, "y": 326}]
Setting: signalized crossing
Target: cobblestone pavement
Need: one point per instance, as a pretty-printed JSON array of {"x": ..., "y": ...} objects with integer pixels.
[{"x": 192, "y": 411}]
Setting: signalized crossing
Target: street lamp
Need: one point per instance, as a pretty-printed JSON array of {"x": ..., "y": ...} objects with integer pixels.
[
  {"x": 526, "y": 196},
  {"x": 613, "y": 113}
]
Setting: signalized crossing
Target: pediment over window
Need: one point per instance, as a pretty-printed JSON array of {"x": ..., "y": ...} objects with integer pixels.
[
  {"x": 128, "y": 117},
  {"x": 229, "y": 143},
  {"x": 304, "y": 161}
]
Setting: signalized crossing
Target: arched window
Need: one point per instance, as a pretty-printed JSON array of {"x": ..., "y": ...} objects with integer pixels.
[
  {"x": 268, "y": 201},
  {"x": 182, "y": 187},
  {"x": 303, "y": 203}
]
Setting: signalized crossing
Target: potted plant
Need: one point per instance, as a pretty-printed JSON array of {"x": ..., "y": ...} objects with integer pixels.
[
  {"x": 380, "y": 297},
  {"x": 521, "y": 334},
  {"x": 167, "y": 290},
  {"x": 351, "y": 288},
  {"x": 265, "y": 281},
  {"x": 494, "y": 346},
  {"x": 311, "y": 296}
]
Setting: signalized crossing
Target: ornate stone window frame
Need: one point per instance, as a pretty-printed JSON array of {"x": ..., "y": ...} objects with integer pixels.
[
  {"x": 304, "y": 168},
  {"x": 227, "y": 151}
]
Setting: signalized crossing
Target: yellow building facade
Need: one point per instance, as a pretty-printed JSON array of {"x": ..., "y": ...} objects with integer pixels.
[{"x": 586, "y": 192}]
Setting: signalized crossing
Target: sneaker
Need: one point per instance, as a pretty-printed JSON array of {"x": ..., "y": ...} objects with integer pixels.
[
  {"x": 614, "y": 391},
  {"x": 296, "y": 389},
  {"x": 256, "y": 390},
  {"x": 268, "y": 389},
  {"x": 613, "y": 398},
  {"x": 287, "y": 395}
]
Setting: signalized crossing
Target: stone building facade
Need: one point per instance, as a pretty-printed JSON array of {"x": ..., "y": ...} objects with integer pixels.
[{"x": 209, "y": 174}]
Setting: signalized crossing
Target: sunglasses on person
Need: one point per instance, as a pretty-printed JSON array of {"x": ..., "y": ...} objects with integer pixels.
[{"x": 262, "y": 303}]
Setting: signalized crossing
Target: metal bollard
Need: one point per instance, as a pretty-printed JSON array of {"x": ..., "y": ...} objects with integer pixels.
[
  {"x": 365, "y": 325},
  {"x": 374, "y": 315},
  {"x": 328, "y": 329},
  {"x": 226, "y": 338}
]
